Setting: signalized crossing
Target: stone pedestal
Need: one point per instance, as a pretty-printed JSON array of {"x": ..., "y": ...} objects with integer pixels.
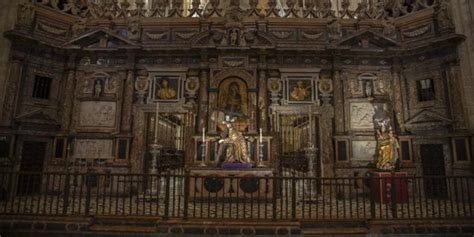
[{"x": 388, "y": 184}]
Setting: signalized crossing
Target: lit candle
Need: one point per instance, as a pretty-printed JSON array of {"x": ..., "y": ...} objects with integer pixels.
[
  {"x": 261, "y": 139},
  {"x": 203, "y": 134},
  {"x": 157, "y": 121}
]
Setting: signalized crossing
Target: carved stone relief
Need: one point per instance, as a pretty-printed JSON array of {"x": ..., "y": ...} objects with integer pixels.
[
  {"x": 325, "y": 86},
  {"x": 141, "y": 86},
  {"x": 361, "y": 116},
  {"x": 97, "y": 114},
  {"x": 100, "y": 84},
  {"x": 275, "y": 87},
  {"x": 111, "y": 85},
  {"x": 26, "y": 13},
  {"x": 191, "y": 87},
  {"x": 356, "y": 87}
]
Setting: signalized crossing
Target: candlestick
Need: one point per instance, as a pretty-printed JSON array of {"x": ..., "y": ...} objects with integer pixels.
[
  {"x": 203, "y": 148},
  {"x": 261, "y": 139},
  {"x": 203, "y": 134},
  {"x": 157, "y": 121}
]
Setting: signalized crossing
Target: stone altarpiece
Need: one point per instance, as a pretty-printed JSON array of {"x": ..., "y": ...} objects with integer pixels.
[{"x": 310, "y": 83}]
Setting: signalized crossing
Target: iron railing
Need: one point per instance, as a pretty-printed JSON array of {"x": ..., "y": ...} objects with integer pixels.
[{"x": 183, "y": 196}]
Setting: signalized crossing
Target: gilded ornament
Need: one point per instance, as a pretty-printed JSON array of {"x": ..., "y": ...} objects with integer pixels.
[{"x": 300, "y": 92}]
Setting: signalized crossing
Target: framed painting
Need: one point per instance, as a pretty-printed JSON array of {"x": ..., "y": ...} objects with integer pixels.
[{"x": 166, "y": 87}]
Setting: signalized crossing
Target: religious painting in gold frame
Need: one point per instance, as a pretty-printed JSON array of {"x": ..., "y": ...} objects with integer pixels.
[
  {"x": 166, "y": 88},
  {"x": 233, "y": 97},
  {"x": 300, "y": 89}
]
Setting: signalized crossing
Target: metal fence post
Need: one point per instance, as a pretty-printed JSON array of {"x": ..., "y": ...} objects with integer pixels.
[
  {"x": 66, "y": 193},
  {"x": 393, "y": 195},
  {"x": 186, "y": 195},
  {"x": 167, "y": 196},
  {"x": 293, "y": 198},
  {"x": 88, "y": 193},
  {"x": 274, "y": 198},
  {"x": 372, "y": 196}
]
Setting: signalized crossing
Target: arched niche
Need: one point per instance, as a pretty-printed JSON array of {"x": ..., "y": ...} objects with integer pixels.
[
  {"x": 227, "y": 89},
  {"x": 248, "y": 78}
]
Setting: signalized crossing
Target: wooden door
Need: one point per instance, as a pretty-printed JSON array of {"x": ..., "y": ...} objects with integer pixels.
[
  {"x": 432, "y": 157},
  {"x": 33, "y": 154}
]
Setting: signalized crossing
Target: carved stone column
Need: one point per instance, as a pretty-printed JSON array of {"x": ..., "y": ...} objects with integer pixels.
[
  {"x": 339, "y": 101},
  {"x": 203, "y": 99},
  {"x": 262, "y": 100},
  {"x": 68, "y": 100},
  {"x": 128, "y": 101},
  {"x": 11, "y": 92},
  {"x": 137, "y": 153},
  {"x": 327, "y": 150}
]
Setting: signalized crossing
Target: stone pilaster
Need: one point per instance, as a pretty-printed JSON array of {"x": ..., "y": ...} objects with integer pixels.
[
  {"x": 128, "y": 101},
  {"x": 9, "y": 12},
  {"x": 12, "y": 86},
  {"x": 203, "y": 99},
  {"x": 137, "y": 153},
  {"x": 463, "y": 21},
  {"x": 262, "y": 100},
  {"x": 456, "y": 97},
  {"x": 338, "y": 102},
  {"x": 327, "y": 148},
  {"x": 67, "y": 105}
]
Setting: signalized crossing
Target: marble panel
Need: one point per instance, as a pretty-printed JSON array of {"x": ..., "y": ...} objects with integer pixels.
[
  {"x": 93, "y": 148},
  {"x": 97, "y": 114},
  {"x": 363, "y": 150}
]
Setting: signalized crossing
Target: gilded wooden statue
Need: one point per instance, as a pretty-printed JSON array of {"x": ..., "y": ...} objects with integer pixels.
[
  {"x": 387, "y": 143},
  {"x": 236, "y": 146}
]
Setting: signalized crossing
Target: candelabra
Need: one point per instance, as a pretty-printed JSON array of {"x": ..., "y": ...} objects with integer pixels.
[
  {"x": 310, "y": 155},
  {"x": 260, "y": 155},
  {"x": 203, "y": 154},
  {"x": 153, "y": 170}
]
